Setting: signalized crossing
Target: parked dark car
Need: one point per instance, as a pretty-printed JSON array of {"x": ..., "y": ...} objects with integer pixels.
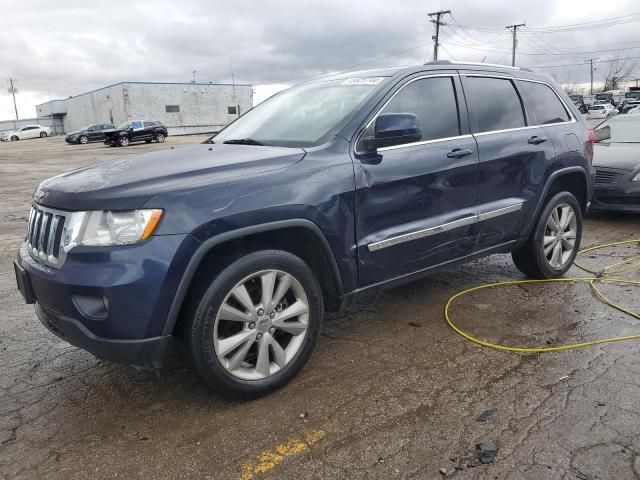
[
  {"x": 629, "y": 105},
  {"x": 617, "y": 163},
  {"x": 89, "y": 133},
  {"x": 136, "y": 131},
  {"x": 578, "y": 101},
  {"x": 322, "y": 194}
]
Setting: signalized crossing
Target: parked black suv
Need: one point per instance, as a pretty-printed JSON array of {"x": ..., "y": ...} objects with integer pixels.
[
  {"x": 233, "y": 249},
  {"x": 136, "y": 131},
  {"x": 88, "y": 133}
]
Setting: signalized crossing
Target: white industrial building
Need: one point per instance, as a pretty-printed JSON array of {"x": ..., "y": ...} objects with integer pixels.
[{"x": 184, "y": 108}]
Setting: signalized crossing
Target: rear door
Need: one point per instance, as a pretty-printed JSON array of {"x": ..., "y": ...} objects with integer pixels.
[
  {"x": 514, "y": 154},
  {"x": 415, "y": 203}
]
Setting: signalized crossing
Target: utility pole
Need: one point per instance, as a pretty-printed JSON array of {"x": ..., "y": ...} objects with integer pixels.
[
  {"x": 591, "y": 71},
  {"x": 12, "y": 91},
  {"x": 437, "y": 23},
  {"x": 194, "y": 76},
  {"x": 514, "y": 30}
]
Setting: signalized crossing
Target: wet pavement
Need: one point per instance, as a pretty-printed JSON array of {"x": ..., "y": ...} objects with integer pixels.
[{"x": 391, "y": 391}]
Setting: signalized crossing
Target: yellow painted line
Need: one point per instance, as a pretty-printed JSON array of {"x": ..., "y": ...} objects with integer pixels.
[{"x": 270, "y": 459}]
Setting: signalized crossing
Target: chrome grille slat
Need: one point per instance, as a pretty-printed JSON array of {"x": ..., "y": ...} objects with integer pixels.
[{"x": 44, "y": 235}]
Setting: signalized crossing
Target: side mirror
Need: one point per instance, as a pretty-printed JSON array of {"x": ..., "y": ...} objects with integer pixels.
[
  {"x": 394, "y": 129},
  {"x": 603, "y": 133}
]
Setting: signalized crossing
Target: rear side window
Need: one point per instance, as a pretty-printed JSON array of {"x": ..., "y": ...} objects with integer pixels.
[
  {"x": 495, "y": 104},
  {"x": 433, "y": 101},
  {"x": 542, "y": 103}
]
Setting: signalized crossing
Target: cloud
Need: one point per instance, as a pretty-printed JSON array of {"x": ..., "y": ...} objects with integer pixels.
[{"x": 67, "y": 48}]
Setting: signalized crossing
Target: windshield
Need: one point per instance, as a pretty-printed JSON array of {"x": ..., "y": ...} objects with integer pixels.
[
  {"x": 633, "y": 95},
  {"x": 303, "y": 116},
  {"x": 602, "y": 96},
  {"x": 624, "y": 129},
  {"x": 124, "y": 126}
]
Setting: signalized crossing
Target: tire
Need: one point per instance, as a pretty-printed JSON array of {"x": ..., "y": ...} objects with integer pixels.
[
  {"x": 532, "y": 260},
  {"x": 43, "y": 134},
  {"x": 160, "y": 137},
  {"x": 123, "y": 141},
  {"x": 14, "y": 138},
  {"x": 233, "y": 372},
  {"x": 83, "y": 139}
]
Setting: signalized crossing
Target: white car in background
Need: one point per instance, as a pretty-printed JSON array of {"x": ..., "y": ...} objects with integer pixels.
[
  {"x": 605, "y": 110},
  {"x": 28, "y": 131}
]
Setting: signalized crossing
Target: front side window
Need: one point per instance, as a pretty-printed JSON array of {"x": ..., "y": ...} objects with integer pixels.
[
  {"x": 433, "y": 101},
  {"x": 495, "y": 104},
  {"x": 136, "y": 125},
  {"x": 542, "y": 103}
]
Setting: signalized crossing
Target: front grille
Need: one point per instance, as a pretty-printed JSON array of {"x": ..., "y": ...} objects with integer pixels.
[
  {"x": 605, "y": 177},
  {"x": 44, "y": 235}
]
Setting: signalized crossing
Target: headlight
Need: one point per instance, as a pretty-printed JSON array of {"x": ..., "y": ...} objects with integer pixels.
[
  {"x": 109, "y": 228},
  {"x": 636, "y": 178}
]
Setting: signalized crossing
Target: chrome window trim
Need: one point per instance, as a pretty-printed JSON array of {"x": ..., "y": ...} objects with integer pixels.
[
  {"x": 425, "y": 142},
  {"x": 377, "y": 113},
  {"x": 427, "y": 232}
]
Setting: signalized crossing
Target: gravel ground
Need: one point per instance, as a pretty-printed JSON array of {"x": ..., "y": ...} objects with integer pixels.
[{"x": 391, "y": 391}]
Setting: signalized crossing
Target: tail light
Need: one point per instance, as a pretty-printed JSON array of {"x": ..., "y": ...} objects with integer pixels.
[{"x": 592, "y": 136}]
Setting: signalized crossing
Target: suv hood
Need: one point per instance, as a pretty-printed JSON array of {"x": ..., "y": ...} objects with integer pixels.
[{"x": 129, "y": 182}]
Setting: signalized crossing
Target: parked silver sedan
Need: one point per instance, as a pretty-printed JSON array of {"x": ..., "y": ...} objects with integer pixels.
[{"x": 617, "y": 162}]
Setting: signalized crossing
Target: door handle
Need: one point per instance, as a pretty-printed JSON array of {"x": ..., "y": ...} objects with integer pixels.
[
  {"x": 459, "y": 153},
  {"x": 537, "y": 140}
]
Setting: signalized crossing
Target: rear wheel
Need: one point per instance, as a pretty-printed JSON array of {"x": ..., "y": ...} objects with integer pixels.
[
  {"x": 43, "y": 134},
  {"x": 160, "y": 137},
  {"x": 555, "y": 240},
  {"x": 254, "y": 326},
  {"x": 124, "y": 141}
]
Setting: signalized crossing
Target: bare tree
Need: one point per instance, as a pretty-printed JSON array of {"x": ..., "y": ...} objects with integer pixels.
[
  {"x": 572, "y": 88},
  {"x": 619, "y": 69}
]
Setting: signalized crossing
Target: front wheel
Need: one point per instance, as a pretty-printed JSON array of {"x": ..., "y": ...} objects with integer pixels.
[
  {"x": 254, "y": 324},
  {"x": 553, "y": 245},
  {"x": 83, "y": 139},
  {"x": 124, "y": 141},
  {"x": 14, "y": 138}
]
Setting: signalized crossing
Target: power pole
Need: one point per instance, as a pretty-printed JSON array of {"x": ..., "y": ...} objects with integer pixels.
[
  {"x": 514, "y": 31},
  {"x": 591, "y": 71},
  {"x": 12, "y": 91},
  {"x": 437, "y": 23},
  {"x": 194, "y": 76}
]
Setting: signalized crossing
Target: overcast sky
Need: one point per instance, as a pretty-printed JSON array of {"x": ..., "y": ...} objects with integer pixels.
[{"x": 55, "y": 49}]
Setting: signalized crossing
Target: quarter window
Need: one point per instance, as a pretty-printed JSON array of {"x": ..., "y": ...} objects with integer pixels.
[
  {"x": 495, "y": 104},
  {"x": 542, "y": 103},
  {"x": 433, "y": 101}
]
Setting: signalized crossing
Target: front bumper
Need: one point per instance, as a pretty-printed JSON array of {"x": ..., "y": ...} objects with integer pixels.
[
  {"x": 622, "y": 195},
  {"x": 111, "y": 301},
  {"x": 71, "y": 139}
]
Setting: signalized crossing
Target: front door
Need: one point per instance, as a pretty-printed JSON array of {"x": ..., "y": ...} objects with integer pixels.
[{"x": 415, "y": 203}]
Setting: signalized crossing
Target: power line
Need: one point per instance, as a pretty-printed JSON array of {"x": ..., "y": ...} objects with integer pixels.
[{"x": 576, "y": 64}]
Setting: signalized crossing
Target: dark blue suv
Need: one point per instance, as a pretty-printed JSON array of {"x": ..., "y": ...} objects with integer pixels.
[{"x": 233, "y": 249}]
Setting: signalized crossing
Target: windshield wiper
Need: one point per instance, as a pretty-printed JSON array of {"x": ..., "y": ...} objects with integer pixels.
[{"x": 244, "y": 141}]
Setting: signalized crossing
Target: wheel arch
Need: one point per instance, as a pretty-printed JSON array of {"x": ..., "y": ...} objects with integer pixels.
[
  {"x": 244, "y": 240},
  {"x": 570, "y": 179}
]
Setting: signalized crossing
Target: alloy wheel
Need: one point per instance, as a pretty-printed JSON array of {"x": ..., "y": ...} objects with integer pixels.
[
  {"x": 560, "y": 234},
  {"x": 261, "y": 325}
]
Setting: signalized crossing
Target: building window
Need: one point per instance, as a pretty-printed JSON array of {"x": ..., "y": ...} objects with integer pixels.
[
  {"x": 232, "y": 110},
  {"x": 172, "y": 108}
]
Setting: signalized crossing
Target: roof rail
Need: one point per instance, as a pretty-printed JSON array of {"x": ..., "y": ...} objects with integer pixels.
[{"x": 449, "y": 62}]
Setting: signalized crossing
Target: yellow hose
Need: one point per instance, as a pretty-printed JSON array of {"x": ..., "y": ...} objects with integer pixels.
[{"x": 626, "y": 265}]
